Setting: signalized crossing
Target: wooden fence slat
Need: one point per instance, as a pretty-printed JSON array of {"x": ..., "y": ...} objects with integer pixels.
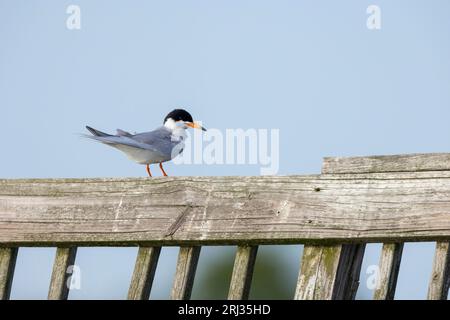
[
  {"x": 185, "y": 273},
  {"x": 440, "y": 276},
  {"x": 393, "y": 163},
  {"x": 144, "y": 272},
  {"x": 242, "y": 272},
  {"x": 389, "y": 267},
  {"x": 59, "y": 289},
  {"x": 316, "y": 276},
  {"x": 8, "y": 257},
  {"x": 348, "y": 272},
  {"x": 329, "y": 272}
]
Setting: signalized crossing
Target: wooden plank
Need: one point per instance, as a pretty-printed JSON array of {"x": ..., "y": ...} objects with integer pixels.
[
  {"x": 8, "y": 257},
  {"x": 395, "y": 163},
  {"x": 242, "y": 272},
  {"x": 391, "y": 257},
  {"x": 384, "y": 207},
  {"x": 440, "y": 277},
  {"x": 348, "y": 272},
  {"x": 329, "y": 272},
  {"x": 144, "y": 272},
  {"x": 185, "y": 273},
  {"x": 317, "y": 272},
  {"x": 59, "y": 288}
]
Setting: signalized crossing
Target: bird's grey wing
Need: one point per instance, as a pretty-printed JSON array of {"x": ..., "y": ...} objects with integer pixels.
[
  {"x": 161, "y": 138},
  {"x": 124, "y": 133},
  {"x": 158, "y": 141},
  {"x": 97, "y": 133},
  {"x": 116, "y": 141},
  {"x": 155, "y": 136}
]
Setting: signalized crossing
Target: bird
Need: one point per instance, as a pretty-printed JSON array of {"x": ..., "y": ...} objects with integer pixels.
[{"x": 157, "y": 146}]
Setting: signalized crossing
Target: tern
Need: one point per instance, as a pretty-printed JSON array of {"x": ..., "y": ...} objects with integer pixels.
[{"x": 157, "y": 146}]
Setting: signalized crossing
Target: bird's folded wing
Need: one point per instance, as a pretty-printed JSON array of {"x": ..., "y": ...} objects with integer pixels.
[
  {"x": 126, "y": 141},
  {"x": 124, "y": 133},
  {"x": 159, "y": 136}
]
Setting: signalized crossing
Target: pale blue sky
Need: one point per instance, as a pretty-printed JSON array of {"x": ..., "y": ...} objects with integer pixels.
[{"x": 309, "y": 68}]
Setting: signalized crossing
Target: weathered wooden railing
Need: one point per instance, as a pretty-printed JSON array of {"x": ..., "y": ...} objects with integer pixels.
[{"x": 388, "y": 199}]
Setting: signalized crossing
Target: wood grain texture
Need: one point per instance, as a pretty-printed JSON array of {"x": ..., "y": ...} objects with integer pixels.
[
  {"x": 241, "y": 278},
  {"x": 378, "y": 207},
  {"x": 185, "y": 273},
  {"x": 395, "y": 163},
  {"x": 329, "y": 272},
  {"x": 318, "y": 272},
  {"x": 59, "y": 289},
  {"x": 391, "y": 257},
  {"x": 348, "y": 271},
  {"x": 144, "y": 273},
  {"x": 440, "y": 276},
  {"x": 8, "y": 257}
]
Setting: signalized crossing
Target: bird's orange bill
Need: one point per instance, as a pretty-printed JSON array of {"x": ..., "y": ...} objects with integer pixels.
[{"x": 195, "y": 125}]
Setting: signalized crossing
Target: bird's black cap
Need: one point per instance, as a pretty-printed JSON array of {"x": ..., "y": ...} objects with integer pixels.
[{"x": 179, "y": 114}]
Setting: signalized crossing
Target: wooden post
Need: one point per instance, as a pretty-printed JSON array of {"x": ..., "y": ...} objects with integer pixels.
[
  {"x": 185, "y": 273},
  {"x": 59, "y": 288},
  {"x": 242, "y": 272},
  {"x": 348, "y": 272},
  {"x": 329, "y": 272},
  {"x": 144, "y": 273},
  {"x": 8, "y": 257},
  {"x": 391, "y": 256},
  {"x": 440, "y": 276}
]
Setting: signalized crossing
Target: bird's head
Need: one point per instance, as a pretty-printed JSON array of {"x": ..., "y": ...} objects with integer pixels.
[{"x": 181, "y": 118}]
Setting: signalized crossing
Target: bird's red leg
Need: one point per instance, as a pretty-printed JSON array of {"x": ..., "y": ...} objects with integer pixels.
[
  {"x": 162, "y": 169},
  {"x": 148, "y": 170}
]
